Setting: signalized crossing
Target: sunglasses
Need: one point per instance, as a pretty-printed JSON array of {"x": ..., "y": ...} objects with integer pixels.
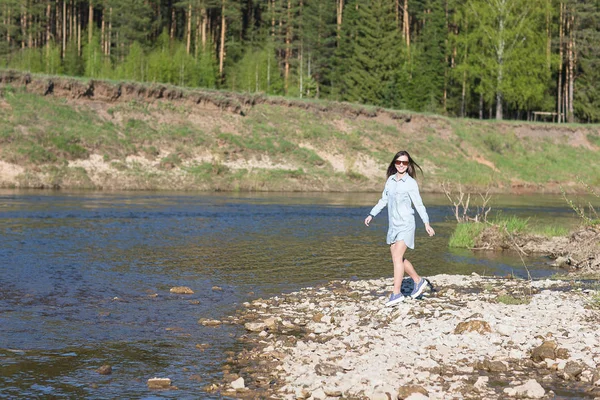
[{"x": 399, "y": 162}]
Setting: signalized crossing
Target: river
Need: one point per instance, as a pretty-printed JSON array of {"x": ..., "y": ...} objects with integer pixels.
[{"x": 85, "y": 277}]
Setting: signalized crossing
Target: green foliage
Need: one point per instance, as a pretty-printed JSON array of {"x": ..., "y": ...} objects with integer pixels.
[
  {"x": 511, "y": 224},
  {"x": 513, "y": 301},
  {"x": 257, "y": 71},
  {"x": 421, "y": 78},
  {"x": 465, "y": 234},
  {"x": 370, "y": 52}
]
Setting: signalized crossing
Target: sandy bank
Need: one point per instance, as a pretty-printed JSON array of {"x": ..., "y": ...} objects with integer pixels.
[{"x": 464, "y": 341}]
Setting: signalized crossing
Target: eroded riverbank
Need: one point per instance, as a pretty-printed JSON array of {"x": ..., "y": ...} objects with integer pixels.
[{"x": 476, "y": 337}]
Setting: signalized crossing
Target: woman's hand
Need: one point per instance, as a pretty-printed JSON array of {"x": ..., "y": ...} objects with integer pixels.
[
  {"x": 429, "y": 229},
  {"x": 368, "y": 220}
]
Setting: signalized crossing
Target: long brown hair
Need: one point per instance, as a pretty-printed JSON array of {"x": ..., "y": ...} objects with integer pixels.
[{"x": 412, "y": 165}]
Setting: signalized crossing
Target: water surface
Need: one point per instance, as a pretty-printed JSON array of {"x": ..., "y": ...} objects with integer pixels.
[{"x": 85, "y": 277}]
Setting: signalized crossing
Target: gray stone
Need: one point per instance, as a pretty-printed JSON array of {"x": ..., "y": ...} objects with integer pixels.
[
  {"x": 543, "y": 351},
  {"x": 476, "y": 325},
  {"x": 238, "y": 384},
  {"x": 405, "y": 391},
  {"x": 327, "y": 369},
  {"x": 104, "y": 370}
]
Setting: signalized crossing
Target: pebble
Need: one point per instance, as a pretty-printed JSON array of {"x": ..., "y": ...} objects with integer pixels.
[{"x": 345, "y": 339}]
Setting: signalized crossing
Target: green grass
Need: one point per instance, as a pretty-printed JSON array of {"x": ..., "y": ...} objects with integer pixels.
[
  {"x": 510, "y": 300},
  {"x": 465, "y": 234},
  {"x": 37, "y": 130},
  {"x": 512, "y": 224},
  {"x": 549, "y": 231}
]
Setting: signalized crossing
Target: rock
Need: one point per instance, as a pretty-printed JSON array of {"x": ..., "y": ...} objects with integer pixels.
[
  {"x": 238, "y": 384},
  {"x": 405, "y": 391},
  {"x": 270, "y": 323},
  {"x": 495, "y": 366},
  {"x": 543, "y": 351},
  {"x": 104, "y": 370},
  {"x": 562, "y": 262},
  {"x": 530, "y": 389},
  {"x": 572, "y": 370},
  {"x": 255, "y": 326},
  {"x": 332, "y": 392},
  {"x": 417, "y": 396},
  {"x": 481, "y": 383},
  {"x": 562, "y": 353},
  {"x": 319, "y": 394},
  {"x": 379, "y": 394},
  {"x": 317, "y": 317},
  {"x": 327, "y": 369},
  {"x": 209, "y": 322},
  {"x": 217, "y": 288},
  {"x": 476, "y": 325},
  {"x": 181, "y": 290},
  {"x": 159, "y": 383},
  {"x": 505, "y": 330}
]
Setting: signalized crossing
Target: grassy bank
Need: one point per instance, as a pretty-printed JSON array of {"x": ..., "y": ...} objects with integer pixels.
[
  {"x": 56, "y": 132},
  {"x": 468, "y": 234}
]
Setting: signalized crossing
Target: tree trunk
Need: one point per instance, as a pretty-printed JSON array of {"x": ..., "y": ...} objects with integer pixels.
[
  {"x": 64, "y": 28},
  {"x": 103, "y": 31},
  {"x": 91, "y": 22},
  {"x": 481, "y": 106},
  {"x": 189, "y": 29},
  {"x": 109, "y": 37},
  {"x": 23, "y": 25},
  {"x": 173, "y": 22},
  {"x": 72, "y": 22},
  {"x": 288, "y": 46},
  {"x": 548, "y": 35},
  {"x": 9, "y": 18},
  {"x": 197, "y": 35},
  {"x": 559, "y": 108},
  {"x": 571, "y": 68},
  {"x": 406, "y": 25},
  {"x": 500, "y": 60},
  {"x": 222, "y": 48},
  {"x": 48, "y": 15},
  {"x": 78, "y": 20},
  {"x": 340, "y": 13},
  {"x": 204, "y": 28}
]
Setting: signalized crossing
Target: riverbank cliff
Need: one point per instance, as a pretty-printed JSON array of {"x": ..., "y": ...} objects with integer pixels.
[{"x": 60, "y": 132}]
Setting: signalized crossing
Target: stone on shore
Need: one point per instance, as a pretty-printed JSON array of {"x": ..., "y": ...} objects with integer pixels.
[
  {"x": 530, "y": 390},
  {"x": 104, "y": 370},
  {"x": 159, "y": 383},
  {"x": 238, "y": 384},
  {"x": 340, "y": 341},
  {"x": 181, "y": 290}
]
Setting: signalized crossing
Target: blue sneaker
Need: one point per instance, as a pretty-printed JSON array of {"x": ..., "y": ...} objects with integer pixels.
[
  {"x": 419, "y": 288},
  {"x": 395, "y": 299}
]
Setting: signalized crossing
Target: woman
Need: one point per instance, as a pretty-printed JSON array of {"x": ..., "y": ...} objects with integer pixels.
[{"x": 400, "y": 191}]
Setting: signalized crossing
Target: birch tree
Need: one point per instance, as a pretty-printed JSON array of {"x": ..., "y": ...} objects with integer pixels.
[{"x": 510, "y": 40}]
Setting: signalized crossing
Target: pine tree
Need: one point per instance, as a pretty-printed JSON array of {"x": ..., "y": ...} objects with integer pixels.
[
  {"x": 375, "y": 53},
  {"x": 320, "y": 42}
]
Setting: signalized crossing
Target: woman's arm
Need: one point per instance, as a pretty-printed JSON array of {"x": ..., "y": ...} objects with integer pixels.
[
  {"x": 415, "y": 197},
  {"x": 378, "y": 207}
]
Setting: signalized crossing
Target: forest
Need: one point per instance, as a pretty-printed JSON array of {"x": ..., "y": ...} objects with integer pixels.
[{"x": 487, "y": 59}]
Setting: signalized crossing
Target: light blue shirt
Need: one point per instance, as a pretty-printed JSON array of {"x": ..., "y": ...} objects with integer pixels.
[{"x": 399, "y": 194}]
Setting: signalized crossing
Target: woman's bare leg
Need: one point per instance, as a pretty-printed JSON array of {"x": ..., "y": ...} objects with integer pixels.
[
  {"x": 397, "y": 249},
  {"x": 410, "y": 271}
]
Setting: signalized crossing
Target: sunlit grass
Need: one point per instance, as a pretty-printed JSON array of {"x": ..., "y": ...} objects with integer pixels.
[
  {"x": 511, "y": 300},
  {"x": 465, "y": 234}
]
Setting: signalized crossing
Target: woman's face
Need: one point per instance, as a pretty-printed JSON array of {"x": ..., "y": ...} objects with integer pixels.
[{"x": 401, "y": 164}]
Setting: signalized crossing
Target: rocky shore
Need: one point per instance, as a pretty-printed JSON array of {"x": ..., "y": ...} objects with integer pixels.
[{"x": 475, "y": 337}]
